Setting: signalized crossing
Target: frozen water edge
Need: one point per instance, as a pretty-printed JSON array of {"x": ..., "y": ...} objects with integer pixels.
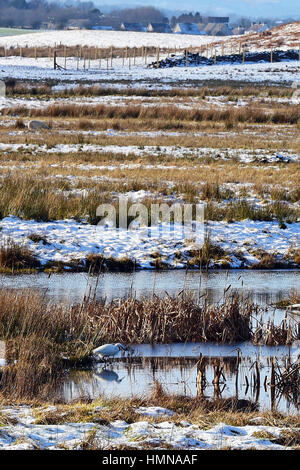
[
  {"x": 26, "y": 435},
  {"x": 69, "y": 240}
]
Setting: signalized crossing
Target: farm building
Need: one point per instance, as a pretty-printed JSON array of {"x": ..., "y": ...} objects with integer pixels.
[
  {"x": 133, "y": 27},
  {"x": 215, "y": 29},
  {"x": 78, "y": 24},
  {"x": 159, "y": 28},
  {"x": 257, "y": 28},
  {"x": 187, "y": 28},
  {"x": 238, "y": 31}
]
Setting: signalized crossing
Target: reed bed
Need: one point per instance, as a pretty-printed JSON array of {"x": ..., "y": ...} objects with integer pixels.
[
  {"x": 249, "y": 114},
  {"x": 43, "y": 199},
  {"x": 16, "y": 88},
  {"x": 41, "y": 337}
]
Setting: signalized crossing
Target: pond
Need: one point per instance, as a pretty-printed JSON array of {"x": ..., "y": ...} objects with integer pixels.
[
  {"x": 266, "y": 287},
  {"x": 175, "y": 367}
]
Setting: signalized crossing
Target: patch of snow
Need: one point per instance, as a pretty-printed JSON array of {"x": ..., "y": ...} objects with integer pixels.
[{"x": 154, "y": 411}]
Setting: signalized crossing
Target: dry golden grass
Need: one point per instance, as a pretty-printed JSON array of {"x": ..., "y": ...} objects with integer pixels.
[
  {"x": 197, "y": 410},
  {"x": 231, "y": 92},
  {"x": 249, "y": 114}
]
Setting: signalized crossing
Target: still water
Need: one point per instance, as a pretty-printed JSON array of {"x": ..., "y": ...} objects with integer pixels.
[
  {"x": 266, "y": 287},
  {"x": 174, "y": 366}
]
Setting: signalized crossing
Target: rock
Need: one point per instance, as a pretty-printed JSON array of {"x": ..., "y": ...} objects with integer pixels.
[{"x": 36, "y": 125}]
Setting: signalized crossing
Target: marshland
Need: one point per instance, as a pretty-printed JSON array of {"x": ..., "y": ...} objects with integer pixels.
[{"x": 210, "y": 333}]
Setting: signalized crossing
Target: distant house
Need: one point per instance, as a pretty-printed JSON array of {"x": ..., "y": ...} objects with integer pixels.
[
  {"x": 216, "y": 29},
  {"x": 48, "y": 25},
  {"x": 201, "y": 28},
  {"x": 78, "y": 24},
  {"x": 257, "y": 28},
  {"x": 186, "y": 28},
  {"x": 132, "y": 27},
  {"x": 159, "y": 28},
  {"x": 238, "y": 31}
]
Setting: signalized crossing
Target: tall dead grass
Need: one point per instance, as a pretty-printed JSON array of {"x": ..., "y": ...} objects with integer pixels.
[
  {"x": 249, "y": 114},
  {"x": 43, "y": 200}
]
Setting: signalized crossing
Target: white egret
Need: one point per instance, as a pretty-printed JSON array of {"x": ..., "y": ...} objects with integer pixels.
[{"x": 108, "y": 350}]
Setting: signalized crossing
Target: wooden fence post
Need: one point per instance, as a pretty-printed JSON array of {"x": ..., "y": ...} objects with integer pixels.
[{"x": 65, "y": 57}]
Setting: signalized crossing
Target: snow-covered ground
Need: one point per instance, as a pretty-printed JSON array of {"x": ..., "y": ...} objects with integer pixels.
[
  {"x": 69, "y": 240},
  {"x": 26, "y": 68},
  {"x": 104, "y": 39},
  {"x": 26, "y": 435},
  {"x": 243, "y": 155}
]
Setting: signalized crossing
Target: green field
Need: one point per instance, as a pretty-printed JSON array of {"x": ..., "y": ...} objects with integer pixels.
[{"x": 14, "y": 32}]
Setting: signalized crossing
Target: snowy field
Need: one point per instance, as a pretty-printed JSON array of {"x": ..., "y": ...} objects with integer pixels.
[
  {"x": 104, "y": 39},
  {"x": 68, "y": 241},
  {"x": 30, "y": 69},
  {"x": 26, "y": 435},
  {"x": 242, "y": 155}
]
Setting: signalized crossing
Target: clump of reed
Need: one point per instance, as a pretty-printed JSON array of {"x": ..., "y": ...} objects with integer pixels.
[
  {"x": 173, "y": 319},
  {"x": 38, "y": 370},
  {"x": 292, "y": 298},
  {"x": 208, "y": 253},
  {"x": 95, "y": 263},
  {"x": 14, "y": 257}
]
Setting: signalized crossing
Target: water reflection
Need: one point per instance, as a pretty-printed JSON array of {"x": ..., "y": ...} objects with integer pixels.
[
  {"x": 107, "y": 375},
  {"x": 240, "y": 377}
]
